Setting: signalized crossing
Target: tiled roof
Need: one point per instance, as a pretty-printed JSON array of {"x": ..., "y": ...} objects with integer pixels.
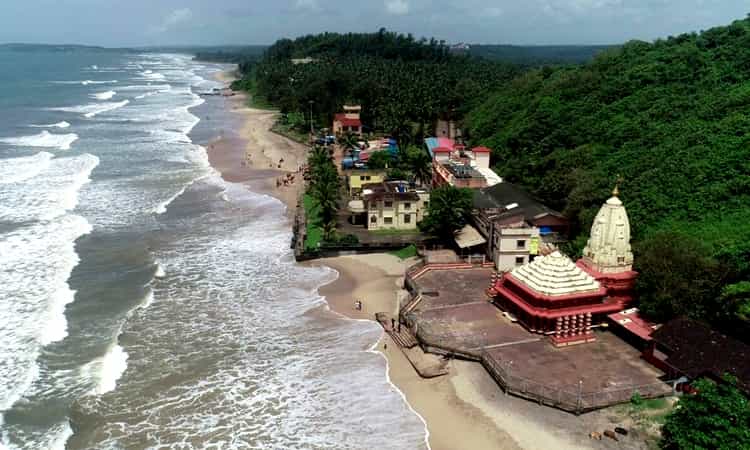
[
  {"x": 346, "y": 122},
  {"x": 695, "y": 350},
  {"x": 555, "y": 274}
]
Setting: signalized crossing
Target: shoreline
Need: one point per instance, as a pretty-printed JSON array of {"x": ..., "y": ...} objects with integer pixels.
[{"x": 463, "y": 409}]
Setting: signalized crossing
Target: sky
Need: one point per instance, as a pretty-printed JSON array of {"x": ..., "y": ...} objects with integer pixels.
[{"x": 119, "y": 23}]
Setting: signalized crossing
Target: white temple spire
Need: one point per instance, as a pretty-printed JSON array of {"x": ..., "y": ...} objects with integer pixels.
[{"x": 608, "y": 248}]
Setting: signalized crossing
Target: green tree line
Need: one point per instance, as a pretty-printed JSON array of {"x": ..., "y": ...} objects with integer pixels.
[{"x": 403, "y": 84}]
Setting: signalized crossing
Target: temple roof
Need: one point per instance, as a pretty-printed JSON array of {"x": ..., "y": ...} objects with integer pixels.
[
  {"x": 555, "y": 274},
  {"x": 608, "y": 248}
]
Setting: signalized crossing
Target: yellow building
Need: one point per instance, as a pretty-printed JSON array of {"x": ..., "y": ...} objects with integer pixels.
[
  {"x": 355, "y": 179},
  {"x": 390, "y": 205}
]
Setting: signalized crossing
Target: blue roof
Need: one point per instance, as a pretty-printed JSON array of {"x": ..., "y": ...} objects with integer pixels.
[{"x": 431, "y": 143}]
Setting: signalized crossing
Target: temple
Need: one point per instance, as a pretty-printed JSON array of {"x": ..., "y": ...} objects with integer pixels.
[{"x": 553, "y": 296}]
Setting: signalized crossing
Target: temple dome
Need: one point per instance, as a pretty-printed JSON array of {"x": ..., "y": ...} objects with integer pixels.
[
  {"x": 555, "y": 274},
  {"x": 608, "y": 248}
]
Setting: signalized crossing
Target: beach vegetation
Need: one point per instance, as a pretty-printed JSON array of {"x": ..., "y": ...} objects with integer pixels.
[
  {"x": 322, "y": 196},
  {"x": 448, "y": 211},
  {"x": 717, "y": 416},
  {"x": 313, "y": 230},
  {"x": 407, "y": 252}
]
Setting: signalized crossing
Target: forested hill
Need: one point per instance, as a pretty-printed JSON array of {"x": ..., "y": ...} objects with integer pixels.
[
  {"x": 537, "y": 55},
  {"x": 673, "y": 119},
  {"x": 402, "y": 83}
]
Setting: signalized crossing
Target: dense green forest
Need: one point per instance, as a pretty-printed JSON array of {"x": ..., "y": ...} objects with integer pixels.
[
  {"x": 230, "y": 54},
  {"x": 669, "y": 117},
  {"x": 402, "y": 83},
  {"x": 537, "y": 55}
]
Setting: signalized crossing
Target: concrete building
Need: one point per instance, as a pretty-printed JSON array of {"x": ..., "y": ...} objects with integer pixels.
[
  {"x": 457, "y": 175},
  {"x": 516, "y": 226},
  {"x": 349, "y": 121},
  {"x": 390, "y": 205},
  {"x": 355, "y": 179}
]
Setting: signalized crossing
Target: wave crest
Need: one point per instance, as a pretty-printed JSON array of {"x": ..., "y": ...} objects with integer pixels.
[{"x": 44, "y": 139}]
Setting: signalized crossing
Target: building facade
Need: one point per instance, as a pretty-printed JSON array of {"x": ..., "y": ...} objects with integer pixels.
[
  {"x": 516, "y": 226},
  {"x": 355, "y": 179},
  {"x": 349, "y": 121},
  {"x": 390, "y": 205}
]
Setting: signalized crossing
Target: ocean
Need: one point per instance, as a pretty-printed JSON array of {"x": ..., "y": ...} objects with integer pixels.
[{"x": 144, "y": 301}]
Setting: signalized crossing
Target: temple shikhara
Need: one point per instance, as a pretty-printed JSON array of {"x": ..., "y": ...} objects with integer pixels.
[{"x": 554, "y": 296}]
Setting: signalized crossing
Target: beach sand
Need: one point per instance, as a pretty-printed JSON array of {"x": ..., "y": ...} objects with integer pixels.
[
  {"x": 259, "y": 158},
  {"x": 464, "y": 409}
]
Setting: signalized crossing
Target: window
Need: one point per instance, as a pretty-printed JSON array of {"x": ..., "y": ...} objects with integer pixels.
[
  {"x": 373, "y": 219},
  {"x": 426, "y": 204},
  {"x": 407, "y": 205},
  {"x": 361, "y": 178},
  {"x": 620, "y": 260},
  {"x": 519, "y": 260},
  {"x": 520, "y": 243},
  {"x": 407, "y": 218},
  {"x": 388, "y": 220},
  {"x": 388, "y": 204}
]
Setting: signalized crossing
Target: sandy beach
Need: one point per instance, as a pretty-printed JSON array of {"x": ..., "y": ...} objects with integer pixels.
[
  {"x": 260, "y": 157},
  {"x": 464, "y": 409}
]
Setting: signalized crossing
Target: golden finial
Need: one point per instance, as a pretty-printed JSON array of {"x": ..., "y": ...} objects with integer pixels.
[{"x": 616, "y": 190}]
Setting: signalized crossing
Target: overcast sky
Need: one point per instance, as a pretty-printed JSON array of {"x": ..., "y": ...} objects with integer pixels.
[{"x": 210, "y": 22}]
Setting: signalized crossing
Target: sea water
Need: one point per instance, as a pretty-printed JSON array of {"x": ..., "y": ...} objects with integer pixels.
[{"x": 145, "y": 302}]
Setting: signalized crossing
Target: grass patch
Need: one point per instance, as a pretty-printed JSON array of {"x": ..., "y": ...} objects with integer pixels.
[
  {"x": 290, "y": 132},
  {"x": 407, "y": 252},
  {"x": 314, "y": 232}
]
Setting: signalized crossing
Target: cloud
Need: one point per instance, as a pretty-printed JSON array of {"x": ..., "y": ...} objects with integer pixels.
[
  {"x": 397, "y": 7},
  {"x": 309, "y": 5},
  {"x": 493, "y": 11},
  {"x": 173, "y": 19}
]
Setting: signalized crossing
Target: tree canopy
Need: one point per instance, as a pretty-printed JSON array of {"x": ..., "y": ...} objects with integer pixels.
[
  {"x": 716, "y": 417},
  {"x": 447, "y": 212},
  {"x": 402, "y": 83}
]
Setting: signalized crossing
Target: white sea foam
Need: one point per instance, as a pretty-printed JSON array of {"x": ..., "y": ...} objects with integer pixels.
[
  {"x": 112, "y": 365},
  {"x": 62, "y": 124},
  {"x": 106, "y": 95},
  {"x": 15, "y": 170},
  {"x": 150, "y": 75},
  {"x": 44, "y": 139},
  {"x": 86, "y": 82},
  {"x": 93, "y": 109},
  {"x": 159, "y": 271},
  {"x": 161, "y": 208}
]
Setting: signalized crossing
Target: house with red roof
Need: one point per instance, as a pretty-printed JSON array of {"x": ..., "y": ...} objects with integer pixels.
[{"x": 348, "y": 121}]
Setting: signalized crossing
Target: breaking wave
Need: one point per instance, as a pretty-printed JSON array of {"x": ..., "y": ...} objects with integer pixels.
[
  {"x": 44, "y": 139},
  {"x": 106, "y": 95},
  {"x": 62, "y": 124}
]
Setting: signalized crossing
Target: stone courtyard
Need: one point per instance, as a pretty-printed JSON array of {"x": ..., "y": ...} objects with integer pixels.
[{"x": 455, "y": 315}]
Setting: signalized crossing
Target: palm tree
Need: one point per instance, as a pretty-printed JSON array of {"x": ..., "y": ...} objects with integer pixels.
[
  {"x": 420, "y": 164},
  {"x": 348, "y": 141}
]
